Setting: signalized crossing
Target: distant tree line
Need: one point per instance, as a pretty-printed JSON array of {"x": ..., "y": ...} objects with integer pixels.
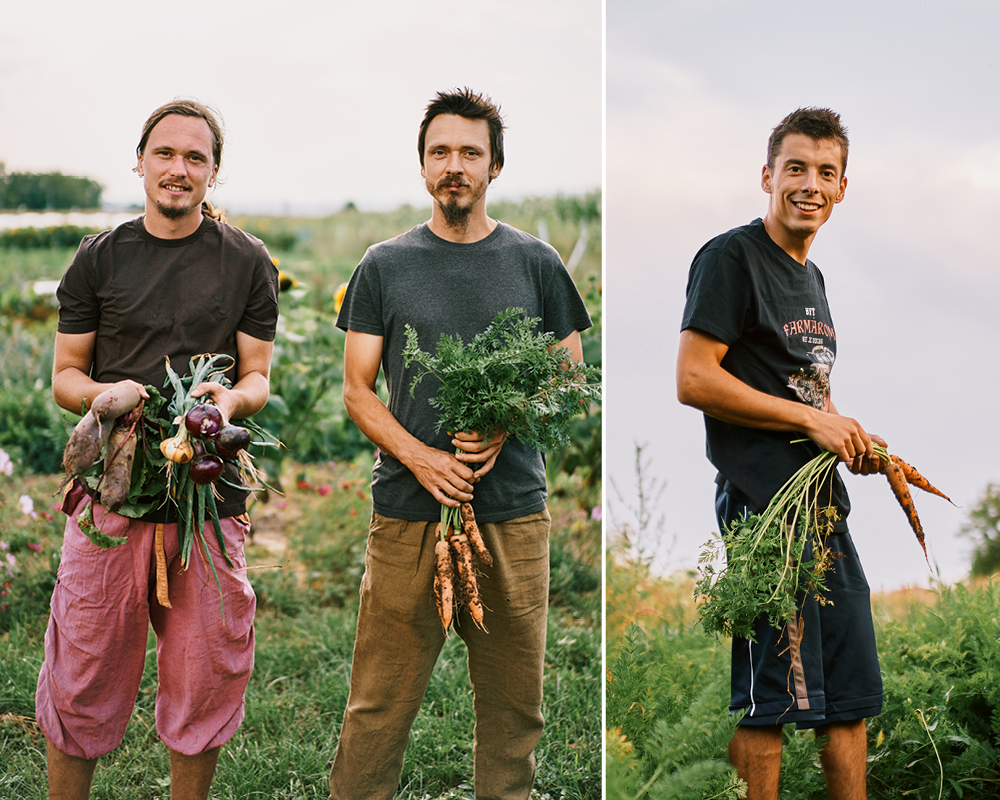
[{"x": 47, "y": 191}]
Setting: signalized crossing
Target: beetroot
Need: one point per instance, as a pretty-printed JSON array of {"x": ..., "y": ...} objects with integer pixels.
[
  {"x": 206, "y": 469},
  {"x": 231, "y": 439},
  {"x": 204, "y": 421}
]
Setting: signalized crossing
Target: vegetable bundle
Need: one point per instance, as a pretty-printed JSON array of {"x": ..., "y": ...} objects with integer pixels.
[
  {"x": 509, "y": 379},
  {"x": 159, "y": 452},
  {"x": 778, "y": 557}
]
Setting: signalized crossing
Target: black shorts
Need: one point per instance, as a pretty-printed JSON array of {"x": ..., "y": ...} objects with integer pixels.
[{"x": 820, "y": 668}]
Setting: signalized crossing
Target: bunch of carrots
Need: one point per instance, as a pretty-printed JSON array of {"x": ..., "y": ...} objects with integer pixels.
[
  {"x": 775, "y": 557},
  {"x": 456, "y": 556}
]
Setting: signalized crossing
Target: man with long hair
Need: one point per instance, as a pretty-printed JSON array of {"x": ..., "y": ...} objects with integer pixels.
[{"x": 174, "y": 282}]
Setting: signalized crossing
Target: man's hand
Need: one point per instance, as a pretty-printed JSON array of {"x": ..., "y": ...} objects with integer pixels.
[
  {"x": 441, "y": 474},
  {"x": 479, "y": 449},
  {"x": 218, "y": 394},
  {"x": 868, "y": 465}
]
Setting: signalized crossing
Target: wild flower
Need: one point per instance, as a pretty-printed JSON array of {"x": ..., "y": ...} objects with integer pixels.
[
  {"x": 27, "y": 506},
  {"x": 6, "y": 465}
]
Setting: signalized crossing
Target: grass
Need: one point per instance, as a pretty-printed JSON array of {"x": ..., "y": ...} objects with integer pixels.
[{"x": 305, "y": 632}]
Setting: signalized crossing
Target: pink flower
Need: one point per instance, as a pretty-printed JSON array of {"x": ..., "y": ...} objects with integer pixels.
[
  {"x": 352, "y": 511},
  {"x": 27, "y": 507},
  {"x": 35, "y": 546},
  {"x": 324, "y": 490},
  {"x": 6, "y": 465},
  {"x": 597, "y": 513}
]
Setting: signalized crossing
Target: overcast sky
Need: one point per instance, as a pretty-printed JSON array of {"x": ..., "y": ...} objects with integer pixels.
[
  {"x": 321, "y": 100},
  {"x": 911, "y": 268}
]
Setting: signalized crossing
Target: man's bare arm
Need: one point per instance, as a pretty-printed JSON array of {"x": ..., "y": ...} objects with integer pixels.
[
  {"x": 249, "y": 393},
  {"x": 704, "y": 384},
  {"x": 443, "y": 475},
  {"x": 72, "y": 386}
]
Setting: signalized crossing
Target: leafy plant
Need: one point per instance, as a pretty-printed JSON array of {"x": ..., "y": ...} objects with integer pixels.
[
  {"x": 509, "y": 378},
  {"x": 769, "y": 569}
]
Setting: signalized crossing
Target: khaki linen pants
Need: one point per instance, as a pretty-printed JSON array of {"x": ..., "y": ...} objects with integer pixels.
[{"x": 399, "y": 638}]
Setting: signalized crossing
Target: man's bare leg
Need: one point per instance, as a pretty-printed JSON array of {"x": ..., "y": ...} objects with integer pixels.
[
  {"x": 191, "y": 776},
  {"x": 69, "y": 776},
  {"x": 844, "y": 759},
  {"x": 756, "y": 754}
]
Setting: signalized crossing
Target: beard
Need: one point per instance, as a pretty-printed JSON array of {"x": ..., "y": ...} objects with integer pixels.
[
  {"x": 455, "y": 210},
  {"x": 455, "y": 215},
  {"x": 173, "y": 212}
]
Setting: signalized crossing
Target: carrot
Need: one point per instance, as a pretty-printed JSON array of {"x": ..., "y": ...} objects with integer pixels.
[
  {"x": 468, "y": 587},
  {"x": 471, "y": 530},
  {"x": 161, "y": 568},
  {"x": 444, "y": 582},
  {"x": 916, "y": 479},
  {"x": 897, "y": 481}
]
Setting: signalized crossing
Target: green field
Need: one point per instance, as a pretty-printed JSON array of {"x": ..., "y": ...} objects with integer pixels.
[{"x": 668, "y": 694}]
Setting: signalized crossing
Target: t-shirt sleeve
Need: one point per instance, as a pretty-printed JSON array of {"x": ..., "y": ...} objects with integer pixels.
[
  {"x": 565, "y": 310},
  {"x": 260, "y": 318},
  {"x": 718, "y": 294},
  {"x": 361, "y": 309},
  {"x": 79, "y": 307}
]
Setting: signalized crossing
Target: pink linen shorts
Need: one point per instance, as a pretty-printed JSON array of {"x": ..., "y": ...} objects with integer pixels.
[{"x": 95, "y": 645}]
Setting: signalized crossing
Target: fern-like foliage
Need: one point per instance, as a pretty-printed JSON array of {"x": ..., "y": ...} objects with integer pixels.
[{"x": 509, "y": 378}]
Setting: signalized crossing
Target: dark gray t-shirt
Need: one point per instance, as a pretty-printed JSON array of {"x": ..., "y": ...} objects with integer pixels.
[{"x": 440, "y": 287}]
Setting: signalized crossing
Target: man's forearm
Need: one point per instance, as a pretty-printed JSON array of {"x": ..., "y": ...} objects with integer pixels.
[
  {"x": 378, "y": 424},
  {"x": 248, "y": 396},
  {"x": 75, "y": 391},
  {"x": 720, "y": 394}
]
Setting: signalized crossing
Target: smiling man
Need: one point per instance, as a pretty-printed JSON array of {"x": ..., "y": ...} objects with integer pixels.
[
  {"x": 174, "y": 282},
  {"x": 451, "y": 275},
  {"x": 756, "y": 350}
]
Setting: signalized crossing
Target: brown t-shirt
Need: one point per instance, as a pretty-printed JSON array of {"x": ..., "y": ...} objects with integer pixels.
[{"x": 148, "y": 298}]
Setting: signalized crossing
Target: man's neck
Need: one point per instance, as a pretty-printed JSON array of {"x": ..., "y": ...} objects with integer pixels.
[
  {"x": 796, "y": 246},
  {"x": 477, "y": 227},
  {"x": 164, "y": 228}
]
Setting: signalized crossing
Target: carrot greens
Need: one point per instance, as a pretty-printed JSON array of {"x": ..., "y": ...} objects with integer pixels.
[
  {"x": 774, "y": 559},
  {"x": 510, "y": 379}
]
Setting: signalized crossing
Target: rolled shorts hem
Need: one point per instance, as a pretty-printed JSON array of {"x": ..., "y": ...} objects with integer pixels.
[{"x": 845, "y": 711}]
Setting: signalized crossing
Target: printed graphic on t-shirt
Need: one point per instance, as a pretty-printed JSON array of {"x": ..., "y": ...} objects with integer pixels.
[{"x": 813, "y": 385}]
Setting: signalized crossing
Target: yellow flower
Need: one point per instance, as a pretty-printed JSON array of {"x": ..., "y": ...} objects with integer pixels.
[
  {"x": 286, "y": 281},
  {"x": 338, "y": 297}
]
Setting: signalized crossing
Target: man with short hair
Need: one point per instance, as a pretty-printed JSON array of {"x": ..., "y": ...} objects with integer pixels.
[
  {"x": 175, "y": 282},
  {"x": 756, "y": 349},
  {"x": 451, "y": 275}
]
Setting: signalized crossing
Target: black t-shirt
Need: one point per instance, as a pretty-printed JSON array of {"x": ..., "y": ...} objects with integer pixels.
[
  {"x": 147, "y": 298},
  {"x": 441, "y": 287},
  {"x": 773, "y": 314}
]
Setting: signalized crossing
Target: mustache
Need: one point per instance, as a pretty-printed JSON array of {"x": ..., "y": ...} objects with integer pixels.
[{"x": 447, "y": 182}]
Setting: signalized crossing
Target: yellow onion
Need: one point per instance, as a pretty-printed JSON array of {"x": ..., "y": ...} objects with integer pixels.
[{"x": 177, "y": 449}]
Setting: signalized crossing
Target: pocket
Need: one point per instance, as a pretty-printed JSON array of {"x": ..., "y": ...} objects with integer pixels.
[{"x": 112, "y": 525}]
